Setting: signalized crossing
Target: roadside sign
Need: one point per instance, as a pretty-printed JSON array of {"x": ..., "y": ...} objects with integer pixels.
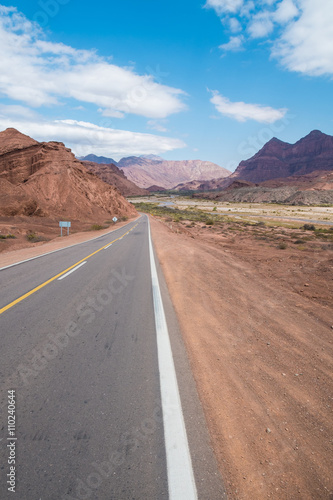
[
  {"x": 64, "y": 223},
  {"x": 114, "y": 219}
]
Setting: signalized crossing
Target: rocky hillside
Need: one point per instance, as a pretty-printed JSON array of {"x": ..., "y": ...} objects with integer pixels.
[
  {"x": 310, "y": 189},
  {"x": 202, "y": 186},
  {"x": 279, "y": 172},
  {"x": 278, "y": 159},
  {"x": 45, "y": 179},
  {"x": 145, "y": 172},
  {"x": 112, "y": 175},
  {"x": 290, "y": 195}
]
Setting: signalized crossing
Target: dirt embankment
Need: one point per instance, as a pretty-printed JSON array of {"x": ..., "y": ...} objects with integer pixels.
[
  {"x": 257, "y": 322},
  {"x": 36, "y": 236}
]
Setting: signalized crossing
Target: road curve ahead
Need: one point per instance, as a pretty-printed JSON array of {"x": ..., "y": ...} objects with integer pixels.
[{"x": 94, "y": 415}]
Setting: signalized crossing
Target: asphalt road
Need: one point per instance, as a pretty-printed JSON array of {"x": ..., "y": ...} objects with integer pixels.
[{"x": 80, "y": 351}]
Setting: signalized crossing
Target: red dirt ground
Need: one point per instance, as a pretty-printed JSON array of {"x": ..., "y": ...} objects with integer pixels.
[{"x": 258, "y": 326}]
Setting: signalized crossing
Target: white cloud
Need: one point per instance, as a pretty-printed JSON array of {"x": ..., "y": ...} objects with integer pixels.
[
  {"x": 223, "y": 6},
  {"x": 234, "y": 25},
  {"x": 235, "y": 44},
  {"x": 306, "y": 46},
  {"x": 242, "y": 111},
  {"x": 261, "y": 25},
  {"x": 84, "y": 138},
  {"x": 285, "y": 12},
  {"x": 41, "y": 73},
  {"x": 155, "y": 125},
  {"x": 17, "y": 112},
  {"x": 247, "y": 8},
  {"x": 299, "y": 31}
]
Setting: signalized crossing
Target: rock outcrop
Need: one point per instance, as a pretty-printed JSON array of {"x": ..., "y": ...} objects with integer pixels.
[
  {"x": 112, "y": 175},
  {"x": 45, "y": 179}
]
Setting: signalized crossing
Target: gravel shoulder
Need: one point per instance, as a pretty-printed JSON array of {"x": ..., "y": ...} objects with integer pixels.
[{"x": 258, "y": 327}]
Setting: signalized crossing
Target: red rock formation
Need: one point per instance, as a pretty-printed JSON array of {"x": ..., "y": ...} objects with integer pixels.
[
  {"x": 46, "y": 179},
  {"x": 112, "y": 175},
  {"x": 278, "y": 159}
]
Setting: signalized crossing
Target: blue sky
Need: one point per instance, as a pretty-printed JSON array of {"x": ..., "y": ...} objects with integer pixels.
[{"x": 211, "y": 80}]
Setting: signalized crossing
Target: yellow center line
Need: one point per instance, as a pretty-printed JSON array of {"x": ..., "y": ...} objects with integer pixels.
[{"x": 8, "y": 306}]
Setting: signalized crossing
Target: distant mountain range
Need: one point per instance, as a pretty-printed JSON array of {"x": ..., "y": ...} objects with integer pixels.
[
  {"x": 103, "y": 159},
  {"x": 97, "y": 159},
  {"x": 149, "y": 170},
  {"x": 305, "y": 165}
]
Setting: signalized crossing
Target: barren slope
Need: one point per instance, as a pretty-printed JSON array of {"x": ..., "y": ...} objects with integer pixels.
[{"x": 145, "y": 172}]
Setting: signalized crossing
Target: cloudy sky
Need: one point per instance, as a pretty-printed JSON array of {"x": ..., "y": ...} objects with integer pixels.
[{"x": 185, "y": 79}]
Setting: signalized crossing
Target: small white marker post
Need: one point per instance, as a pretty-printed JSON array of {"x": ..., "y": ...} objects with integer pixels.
[{"x": 62, "y": 224}]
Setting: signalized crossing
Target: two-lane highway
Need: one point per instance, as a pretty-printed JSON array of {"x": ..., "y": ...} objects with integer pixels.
[{"x": 79, "y": 345}]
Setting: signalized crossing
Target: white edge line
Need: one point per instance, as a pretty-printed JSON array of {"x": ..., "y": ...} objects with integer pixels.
[
  {"x": 181, "y": 482},
  {"x": 72, "y": 270},
  {"x": 105, "y": 248},
  {"x": 64, "y": 248}
]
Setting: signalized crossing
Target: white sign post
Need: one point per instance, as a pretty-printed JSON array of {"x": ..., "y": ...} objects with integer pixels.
[
  {"x": 114, "y": 219},
  {"x": 62, "y": 224}
]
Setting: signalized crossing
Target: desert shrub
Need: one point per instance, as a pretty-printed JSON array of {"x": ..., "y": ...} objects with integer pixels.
[
  {"x": 7, "y": 236},
  {"x": 31, "y": 236},
  {"x": 282, "y": 245},
  {"x": 35, "y": 238},
  {"x": 209, "y": 222},
  {"x": 309, "y": 227},
  {"x": 96, "y": 227}
]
